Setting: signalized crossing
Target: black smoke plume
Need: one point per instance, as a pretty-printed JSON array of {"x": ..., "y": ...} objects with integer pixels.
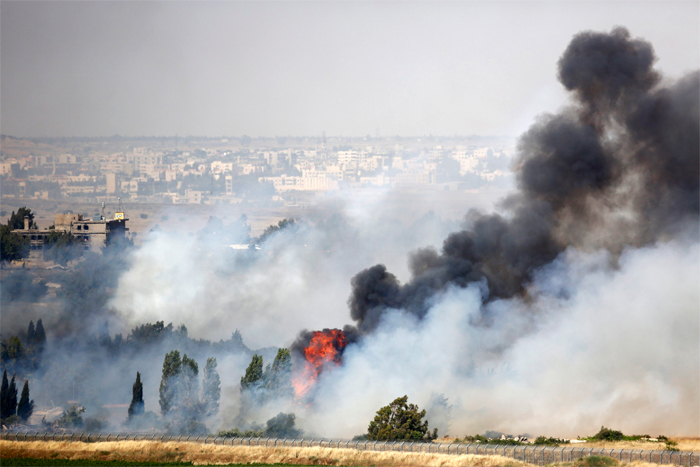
[{"x": 618, "y": 167}]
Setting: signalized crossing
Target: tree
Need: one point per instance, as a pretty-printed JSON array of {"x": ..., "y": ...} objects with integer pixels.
[
  {"x": 168, "y": 384},
  {"x": 277, "y": 378},
  {"x": 136, "y": 407},
  {"x": 9, "y": 402},
  {"x": 189, "y": 371},
  {"x": 62, "y": 247},
  {"x": 400, "y": 421},
  {"x": 253, "y": 374},
  {"x": 211, "y": 388},
  {"x": 31, "y": 333},
  {"x": 26, "y": 406},
  {"x": 282, "y": 426},
  {"x": 16, "y": 221},
  {"x": 4, "y": 393},
  {"x": 13, "y": 247},
  {"x": 71, "y": 418},
  {"x": 40, "y": 334}
]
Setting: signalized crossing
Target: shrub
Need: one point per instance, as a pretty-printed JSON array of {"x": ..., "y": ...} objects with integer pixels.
[
  {"x": 236, "y": 433},
  {"x": 400, "y": 421},
  {"x": 544, "y": 441},
  {"x": 606, "y": 434},
  {"x": 143, "y": 215}
]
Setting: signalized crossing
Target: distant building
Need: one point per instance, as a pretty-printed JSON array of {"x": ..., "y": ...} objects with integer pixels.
[{"x": 93, "y": 233}]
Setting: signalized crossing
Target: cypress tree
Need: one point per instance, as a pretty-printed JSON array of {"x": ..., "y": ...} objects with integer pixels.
[
  {"x": 4, "y": 393},
  {"x": 25, "y": 407},
  {"x": 211, "y": 387},
  {"x": 169, "y": 391},
  {"x": 253, "y": 374},
  {"x": 40, "y": 334},
  {"x": 190, "y": 371},
  {"x": 31, "y": 333},
  {"x": 136, "y": 407},
  {"x": 278, "y": 377},
  {"x": 12, "y": 397}
]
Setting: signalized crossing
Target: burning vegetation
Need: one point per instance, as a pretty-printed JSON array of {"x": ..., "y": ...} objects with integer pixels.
[{"x": 323, "y": 349}]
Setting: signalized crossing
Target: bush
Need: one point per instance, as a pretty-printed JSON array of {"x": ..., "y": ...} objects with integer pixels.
[
  {"x": 400, "y": 421},
  {"x": 606, "y": 434},
  {"x": 544, "y": 441},
  {"x": 236, "y": 433},
  {"x": 71, "y": 418},
  {"x": 282, "y": 426},
  {"x": 143, "y": 215}
]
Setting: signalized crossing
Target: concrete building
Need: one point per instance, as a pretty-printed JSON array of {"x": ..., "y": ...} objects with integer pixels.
[{"x": 93, "y": 233}]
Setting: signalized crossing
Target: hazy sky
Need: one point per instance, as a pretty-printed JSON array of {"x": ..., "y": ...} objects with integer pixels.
[{"x": 299, "y": 68}]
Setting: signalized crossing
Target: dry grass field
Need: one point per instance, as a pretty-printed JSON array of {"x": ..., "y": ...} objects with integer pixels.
[{"x": 201, "y": 454}]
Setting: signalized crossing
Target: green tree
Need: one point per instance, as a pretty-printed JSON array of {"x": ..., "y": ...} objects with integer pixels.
[
  {"x": 71, "y": 418},
  {"x": 136, "y": 407},
  {"x": 168, "y": 384},
  {"x": 26, "y": 406},
  {"x": 189, "y": 372},
  {"x": 282, "y": 426},
  {"x": 211, "y": 388},
  {"x": 400, "y": 421},
  {"x": 16, "y": 220},
  {"x": 253, "y": 374},
  {"x": 13, "y": 247},
  {"x": 277, "y": 377}
]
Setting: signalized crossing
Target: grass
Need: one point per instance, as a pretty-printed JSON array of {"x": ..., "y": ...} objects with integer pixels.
[{"x": 199, "y": 454}]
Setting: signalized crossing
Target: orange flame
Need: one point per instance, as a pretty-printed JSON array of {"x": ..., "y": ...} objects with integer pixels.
[{"x": 325, "y": 348}]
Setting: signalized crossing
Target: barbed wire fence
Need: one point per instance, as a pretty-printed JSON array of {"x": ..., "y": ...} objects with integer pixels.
[{"x": 533, "y": 454}]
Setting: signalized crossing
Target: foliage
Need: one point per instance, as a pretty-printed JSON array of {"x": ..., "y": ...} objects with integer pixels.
[
  {"x": 13, "y": 247},
  {"x": 544, "y": 441},
  {"x": 40, "y": 334},
  {"x": 136, "y": 408},
  {"x": 22, "y": 285},
  {"x": 150, "y": 333},
  {"x": 211, "y": 388},
  {"x": 606, "y": 434},
  {"x": 236, "y": 433},
  {"x": 26, "y": 406},
  {"x": 8, "y": 397},
  {"x": 16, "y": 220},
  {"x": 168, "y": 384},
  {"x": 362, "y": 437},
  {"x": 671, "y": 445},
  {"x": 400, "y": 421},
  {"x": 277, "y": 378},
  {"x": 62, "y": 247},
  {"x": 253, "y": 374},
  {"x": 71, "y": 418},
  {"x": 282, "y": 426}
]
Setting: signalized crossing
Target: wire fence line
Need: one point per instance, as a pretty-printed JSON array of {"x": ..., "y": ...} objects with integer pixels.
[{"x": 540, "y": 455}]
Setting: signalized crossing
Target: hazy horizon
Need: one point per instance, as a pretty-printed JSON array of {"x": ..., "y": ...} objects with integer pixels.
[{"x": 93, "y": 69}]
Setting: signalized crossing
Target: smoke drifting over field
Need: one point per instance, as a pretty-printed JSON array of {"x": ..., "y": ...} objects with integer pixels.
[{"x": 575, "y": 306}]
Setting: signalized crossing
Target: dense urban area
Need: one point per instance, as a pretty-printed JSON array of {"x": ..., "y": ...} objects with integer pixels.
[{"x": 233, "y": 170}]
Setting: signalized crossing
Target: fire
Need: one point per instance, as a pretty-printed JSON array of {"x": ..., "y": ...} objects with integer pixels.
[{"x": 325, "y": 348}]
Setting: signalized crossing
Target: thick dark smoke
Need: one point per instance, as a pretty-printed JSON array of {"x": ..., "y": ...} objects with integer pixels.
[{"x": 620, "y": 167}]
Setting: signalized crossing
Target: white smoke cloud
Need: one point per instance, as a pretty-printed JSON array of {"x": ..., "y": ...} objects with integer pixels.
[{"x": 598, "y": 345}]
